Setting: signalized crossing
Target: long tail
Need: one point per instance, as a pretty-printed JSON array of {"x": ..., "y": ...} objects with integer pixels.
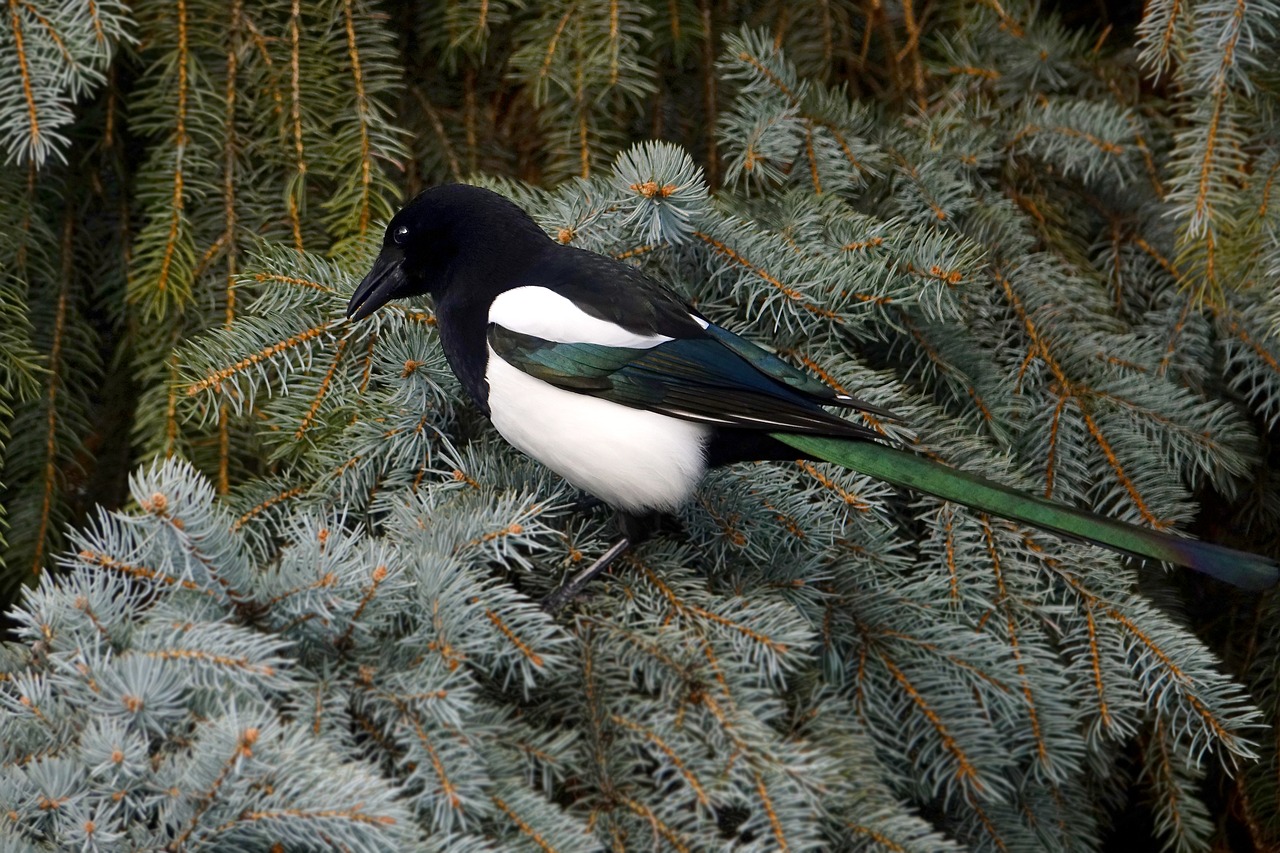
[{"x": 902, "y": 468}]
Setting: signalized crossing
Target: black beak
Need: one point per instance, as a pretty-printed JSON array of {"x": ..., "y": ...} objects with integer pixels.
[{"x": 383, "y": 283}]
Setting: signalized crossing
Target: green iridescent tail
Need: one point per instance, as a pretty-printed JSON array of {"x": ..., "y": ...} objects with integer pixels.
[{"x": 902, "y": 468}]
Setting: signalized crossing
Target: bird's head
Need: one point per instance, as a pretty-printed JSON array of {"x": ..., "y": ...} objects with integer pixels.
[{"x": 444, "y": 224}]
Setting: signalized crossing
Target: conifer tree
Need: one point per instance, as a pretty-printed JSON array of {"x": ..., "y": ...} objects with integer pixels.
[{"x": 309, "y": 619}]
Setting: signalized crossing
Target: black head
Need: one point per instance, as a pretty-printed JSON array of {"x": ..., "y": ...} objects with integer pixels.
[{"x": 441, "y": 229}]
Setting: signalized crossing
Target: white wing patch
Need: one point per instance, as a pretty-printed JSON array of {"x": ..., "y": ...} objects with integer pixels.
[{"x": 545, "y": 314}]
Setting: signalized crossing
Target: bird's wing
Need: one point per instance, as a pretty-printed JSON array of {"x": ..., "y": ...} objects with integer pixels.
[
  {"x": 694, "y": 378},
  {"x": 578, "y": 297},
  {"x": 775, "y": 368},
  {"x": 614, "y": 292}
]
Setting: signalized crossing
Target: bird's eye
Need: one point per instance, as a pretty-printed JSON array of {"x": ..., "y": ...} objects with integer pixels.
[{"x": 400, "y": 234}]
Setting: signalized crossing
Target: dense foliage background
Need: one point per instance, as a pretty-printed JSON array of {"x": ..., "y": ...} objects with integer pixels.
[{"x": 282, "y": 580}]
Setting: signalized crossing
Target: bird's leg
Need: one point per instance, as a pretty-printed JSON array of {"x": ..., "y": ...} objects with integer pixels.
[
  {"x": 635, "y": 529},
  {"x": 585, "y": 503},
  {"x": 570, "y": 589}
]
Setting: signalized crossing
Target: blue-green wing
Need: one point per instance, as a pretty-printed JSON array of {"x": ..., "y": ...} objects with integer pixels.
[
  {"x": 774, "y": 367},
  {"x": 694, "y": 378}
]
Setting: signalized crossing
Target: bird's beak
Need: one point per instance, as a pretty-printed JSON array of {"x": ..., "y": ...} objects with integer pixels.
[{"x": 383, "y": 283}]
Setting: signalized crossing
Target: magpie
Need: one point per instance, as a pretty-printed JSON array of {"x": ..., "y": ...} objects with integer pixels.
[{"x": 629, "y": 393}]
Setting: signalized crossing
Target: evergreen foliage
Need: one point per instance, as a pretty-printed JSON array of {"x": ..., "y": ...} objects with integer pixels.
[{"x": 310, "y": 619}]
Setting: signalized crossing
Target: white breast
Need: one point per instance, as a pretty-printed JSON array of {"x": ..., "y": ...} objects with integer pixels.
[{"x": 632, "y": 459}]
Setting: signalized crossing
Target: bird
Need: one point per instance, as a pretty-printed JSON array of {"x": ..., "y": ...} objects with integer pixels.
[{"x": 629, "y": 393}]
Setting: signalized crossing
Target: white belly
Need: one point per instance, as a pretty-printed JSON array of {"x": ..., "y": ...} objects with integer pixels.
[{"x": 631, "y": 459}]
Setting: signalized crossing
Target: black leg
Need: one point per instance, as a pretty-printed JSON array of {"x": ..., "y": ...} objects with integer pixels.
[
  {"x": 635, "y": 529},
  {"x": 585, "y": 503},
  {"x": 570, "y": 589},
  {"x": 638, "y": 528}
]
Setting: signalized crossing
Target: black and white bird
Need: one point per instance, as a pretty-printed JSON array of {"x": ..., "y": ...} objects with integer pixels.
[{"x": 627, "y": 392}]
